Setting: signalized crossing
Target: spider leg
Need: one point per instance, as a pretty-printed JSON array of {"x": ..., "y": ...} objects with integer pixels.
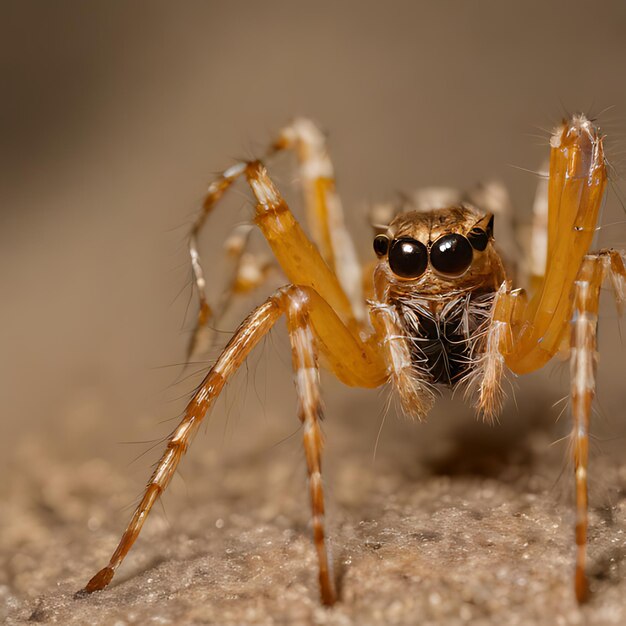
[
  {"x": 254, "y": 327},
  {"x": 201, "y": 338},
  {"x": 313, "y": 326},
  {"x": 323, "y": 206},
  {"x": 298, "y": 257},
  {"x": 246, "y": 271},
  {"x": 323, "y": 211},
  {"x": 408, "y": 379},
  {"x": 537, "y": 247},
  {"x": 575, "y": 192},
  {"x": 487, "y": 374},
  {"x": 582, "y": 370},
  {"x": 304, "y": 356},
  {"x": 249, "y": 270}
]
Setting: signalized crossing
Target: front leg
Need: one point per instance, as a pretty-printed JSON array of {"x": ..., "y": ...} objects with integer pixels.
[
  {"x": 409, "y": 379},
  {"x": 313, "y": 328},
  {"x": 253, "y": 328},
  {"x": 489, "y": 359},
  {"x": 578, "y": 178},
  {"x": 306, "y": 374}
]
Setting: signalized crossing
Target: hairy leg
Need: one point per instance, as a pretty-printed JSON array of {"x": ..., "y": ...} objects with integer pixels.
[
  {"x": 323, "y": 206},
  {"x": 305, "y": 366},
  {"x": 254, "y": 327},
  {"x": 313, "y": 327},
  {"x": 410, "y": 383},
  {"x": 582, "y": 371},
  {"x": 246, "y": 271},
  {"x": 490, "y": 367},
  {"x": 575, "y": 192},
  {"x": 324, "y": 218}
]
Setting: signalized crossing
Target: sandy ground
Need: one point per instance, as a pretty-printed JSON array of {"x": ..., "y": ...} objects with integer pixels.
[{"x": 467, "y": 525}]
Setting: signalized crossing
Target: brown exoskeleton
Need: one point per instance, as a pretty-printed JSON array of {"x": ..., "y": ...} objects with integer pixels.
[{"x": 440, "y": 308}]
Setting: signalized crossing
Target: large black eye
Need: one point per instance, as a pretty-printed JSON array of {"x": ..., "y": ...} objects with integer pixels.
[
  {"x": 381, "y": 245},
  {"x": 451, "y": 254},
  {"x": 408, "y": 258}
]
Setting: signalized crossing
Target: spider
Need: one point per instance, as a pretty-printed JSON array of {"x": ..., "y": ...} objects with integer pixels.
[{"x": 437, "y": 307}]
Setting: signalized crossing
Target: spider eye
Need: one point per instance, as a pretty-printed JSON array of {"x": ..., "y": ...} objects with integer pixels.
[
  {"x": 478, "y": 238},
  {"x": 482, "y": 232},
  {"x": 451, "y": 254},
  {"x": 381, "y": 245},
  {"x": 408, "y": 258}
]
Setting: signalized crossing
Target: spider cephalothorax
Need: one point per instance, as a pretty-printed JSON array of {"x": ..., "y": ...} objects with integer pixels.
[
  {"x": 440, "y": 270},
  {"x": 438, "y": 307},
  {"x": 438, "y": 252}
]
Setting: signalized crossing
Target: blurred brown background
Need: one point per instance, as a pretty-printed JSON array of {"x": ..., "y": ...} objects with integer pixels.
[{"x": 115, "y": 115}]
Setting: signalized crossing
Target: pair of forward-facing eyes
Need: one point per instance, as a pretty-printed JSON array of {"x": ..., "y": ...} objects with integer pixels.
[{"x": 450, "y": 255}]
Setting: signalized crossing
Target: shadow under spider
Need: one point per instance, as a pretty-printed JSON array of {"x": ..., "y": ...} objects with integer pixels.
[{"x": 485, "y": 452}]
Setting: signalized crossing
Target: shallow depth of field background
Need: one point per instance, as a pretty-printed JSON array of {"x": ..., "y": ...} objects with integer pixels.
[{"x": 114, "y": 116}]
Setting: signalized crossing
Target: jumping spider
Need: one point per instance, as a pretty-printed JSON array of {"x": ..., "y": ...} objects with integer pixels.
[{"x": 438, "y": 308}]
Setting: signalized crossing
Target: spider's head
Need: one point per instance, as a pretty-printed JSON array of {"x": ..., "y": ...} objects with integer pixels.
[{"x": 438, "y": 252}]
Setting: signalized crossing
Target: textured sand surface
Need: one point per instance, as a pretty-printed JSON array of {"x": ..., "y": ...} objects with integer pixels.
[{"x": 468, "y": 528}]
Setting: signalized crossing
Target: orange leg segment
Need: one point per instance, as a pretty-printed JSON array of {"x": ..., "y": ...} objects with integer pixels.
[
  {"x": 582, "y": 369},
  {"x": 324, "y": 218},
  {"x": 298, "y": 257},
  {"x": 313, "y": 327},
  {"x": 323, "y": 206},
  {"x": 575, "y": 192}
]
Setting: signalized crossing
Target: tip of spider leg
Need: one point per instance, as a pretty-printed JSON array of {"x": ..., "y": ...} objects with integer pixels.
[
  {"x": 98, "y": 582},
  {"x": 572, "y": 130},
  {"x": 579, "y": 150},
  {"x": 581, "y": 587},
  {"x": 329, "y": 599},
  {"x": 263, "y": 188}
]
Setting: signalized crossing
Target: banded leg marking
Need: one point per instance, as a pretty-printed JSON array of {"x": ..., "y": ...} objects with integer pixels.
[
  {"x": 313, "y": 326},
  {"x": 201, "y": 338},
  {"x": 416, "y": 395},
  {"x": 324, "y": 217},
  {"x": 583, "y": 360},
  {"x": 324, "y": 210},
  {"x": 254, "y": 327},
  {"x": 304, "y": 355}
]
